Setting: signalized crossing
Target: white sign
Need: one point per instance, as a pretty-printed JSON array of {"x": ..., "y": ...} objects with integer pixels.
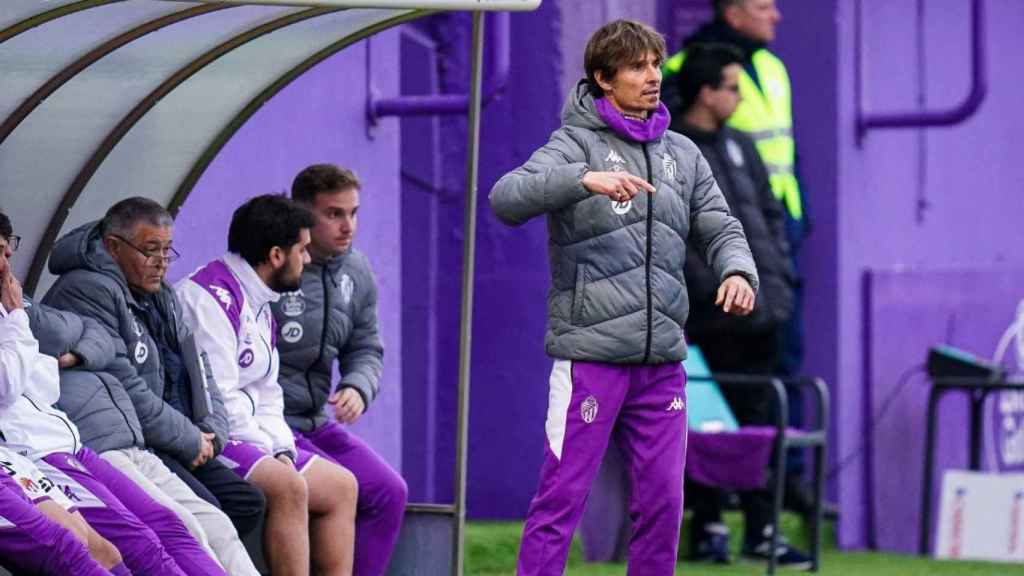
[
  {"x": 981, "y": 517},
  {"x": 496, "y": 5}
]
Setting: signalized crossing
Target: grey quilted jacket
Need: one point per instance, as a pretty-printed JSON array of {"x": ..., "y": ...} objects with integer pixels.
[
  {"x": 617, "y": 292},
  {"x": 333, "y": 317},
  {"x": 94, "y": 399},
  {"x": 92, "y": 285}
]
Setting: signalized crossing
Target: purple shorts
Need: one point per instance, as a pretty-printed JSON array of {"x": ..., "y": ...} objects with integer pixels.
[{"x": 242, "y": 458}]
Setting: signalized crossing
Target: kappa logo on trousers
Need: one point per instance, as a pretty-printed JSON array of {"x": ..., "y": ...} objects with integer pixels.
[{"x": 676, "y": 405}]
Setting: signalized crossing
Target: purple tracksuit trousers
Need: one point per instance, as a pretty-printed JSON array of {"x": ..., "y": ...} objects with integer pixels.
[
  {"x": 31, "y": 543},
  {"x": 643, "y": 409},
  {"x": 382, "y": 494},
  {"x": 151, "y": 538}
]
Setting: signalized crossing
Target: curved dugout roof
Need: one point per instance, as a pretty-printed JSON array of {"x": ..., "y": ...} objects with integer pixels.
[{"x": 103, "y": 99}]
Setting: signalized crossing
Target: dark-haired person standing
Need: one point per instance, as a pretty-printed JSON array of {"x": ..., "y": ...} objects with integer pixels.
[
  {"x": 709, "y": 92},
  {"x": 623, "y": 198},
  {"x": 311, "y": 501},
  {"x": 333, "y": 318},
  {"x": 765, "y": 114}
]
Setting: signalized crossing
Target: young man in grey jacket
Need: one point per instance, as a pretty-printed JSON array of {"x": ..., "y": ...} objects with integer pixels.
[
  {"x": 333, "y": 318},
  {"x": 623, "y": 199},
  {"x": 113, "y": 271}
]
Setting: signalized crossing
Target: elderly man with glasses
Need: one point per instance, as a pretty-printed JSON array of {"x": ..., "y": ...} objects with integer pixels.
[{"x": 113, "y": 271}]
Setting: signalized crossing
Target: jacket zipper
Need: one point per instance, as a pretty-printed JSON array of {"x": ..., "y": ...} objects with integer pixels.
[
  {"x": 323, "y": 340},
  {"x": 74, "y": 440},
  {"x": 647, "y": 256},
  {"x": 135, "y": 438}
]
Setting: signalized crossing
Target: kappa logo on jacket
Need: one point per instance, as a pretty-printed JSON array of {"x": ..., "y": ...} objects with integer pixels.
[
  {"x": 677, "y": 405},
  {"x": 614, "y": 157},
  {"x": 222, "y": 295}
]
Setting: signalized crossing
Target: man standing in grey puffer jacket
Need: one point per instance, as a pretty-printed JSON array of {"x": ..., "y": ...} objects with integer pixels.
[{"x": 623, "y": 197}]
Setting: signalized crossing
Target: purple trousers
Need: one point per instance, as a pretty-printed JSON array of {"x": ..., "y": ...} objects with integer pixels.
[
  {"x": 31, "y": 543},
  {"x": 643, "y": 409},
  {"x": 382, "y": 494},
  {"x": 151, "y": 538}
]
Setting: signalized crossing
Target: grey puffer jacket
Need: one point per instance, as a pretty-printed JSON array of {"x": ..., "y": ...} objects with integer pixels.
[
  {"x": 91, "y": 284},
  {"x": 333, "y": 316},
  {"x": 94, "y": 399},
  {"x": 618, "y": 293}
]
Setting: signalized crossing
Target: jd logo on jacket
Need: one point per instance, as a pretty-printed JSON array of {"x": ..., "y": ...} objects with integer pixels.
[
  {"x": 291, "y": 332},
  {"x": 621, "y": 208},
  {"x": 141, "y": 353}
]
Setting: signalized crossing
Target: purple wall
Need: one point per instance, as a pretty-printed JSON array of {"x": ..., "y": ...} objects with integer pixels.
[
  {"x": 319, "y": 118},
  {"x": 941, "y": 306},
  {"x": 946, "y": 198},
  {"x": 509, "y": 366}
]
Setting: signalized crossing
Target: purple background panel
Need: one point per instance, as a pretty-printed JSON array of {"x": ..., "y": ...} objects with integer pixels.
[{"x": 906, "y": 312}]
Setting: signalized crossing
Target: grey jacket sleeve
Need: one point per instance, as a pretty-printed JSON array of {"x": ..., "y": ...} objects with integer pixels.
[
  {"x": 95, "y": 349},
  {"x": 718, "y": 235},
  {"x": 163, "y": 427},
  {"x": 60, "y": 332},
  {"x": 550, "y": 180},
  {"x": 361, "y": 359},
  {"x": 55, "y": 330}
]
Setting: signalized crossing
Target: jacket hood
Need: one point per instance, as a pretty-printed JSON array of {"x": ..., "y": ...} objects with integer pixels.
[
  {"x": 83, "y": 248},
  {"x": 579, "y": 109}
]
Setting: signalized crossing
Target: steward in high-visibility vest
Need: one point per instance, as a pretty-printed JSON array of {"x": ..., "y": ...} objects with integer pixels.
[{"x": 765, "y": 112}]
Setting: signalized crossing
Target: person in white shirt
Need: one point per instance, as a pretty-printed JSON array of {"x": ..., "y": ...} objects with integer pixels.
[
  {"x": 227, "y": 305},
  {"x": 43, "y": 353}
]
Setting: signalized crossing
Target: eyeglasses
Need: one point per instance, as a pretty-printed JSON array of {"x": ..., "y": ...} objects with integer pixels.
[
  {"x": 13, "y": 242},
  {"x": 153, "y": 257}
]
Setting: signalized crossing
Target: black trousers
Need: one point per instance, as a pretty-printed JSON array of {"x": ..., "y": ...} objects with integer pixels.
[
  {"x": 739, "y": 354},
  {"x": 220, "y": 486}
]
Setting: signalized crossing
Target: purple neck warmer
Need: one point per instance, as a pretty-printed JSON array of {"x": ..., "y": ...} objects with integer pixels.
[{"x": 632, "y": 129}]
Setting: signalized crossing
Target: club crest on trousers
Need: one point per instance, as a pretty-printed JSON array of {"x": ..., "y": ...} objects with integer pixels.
[{"x": 588, "y": 410}]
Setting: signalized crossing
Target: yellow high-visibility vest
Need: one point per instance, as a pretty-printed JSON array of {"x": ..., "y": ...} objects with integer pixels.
[{"x": 767, "y": 117}]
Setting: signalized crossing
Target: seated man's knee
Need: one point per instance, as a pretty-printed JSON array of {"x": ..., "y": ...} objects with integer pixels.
[{"x": 284, "y": 486}]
